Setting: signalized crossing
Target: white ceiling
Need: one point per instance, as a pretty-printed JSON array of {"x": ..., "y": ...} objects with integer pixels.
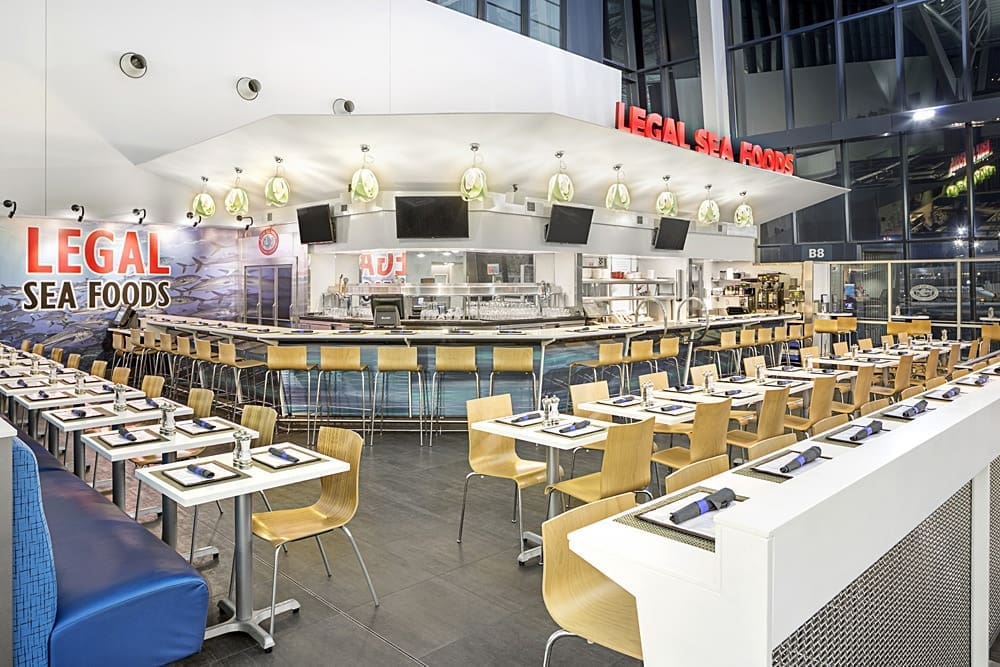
[{"x": 428, "y": 152}]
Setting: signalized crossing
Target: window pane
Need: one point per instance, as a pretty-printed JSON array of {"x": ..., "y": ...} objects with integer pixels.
[
  {"x": 630, "y": 92},
  {"x": 876, "y": 197},
  {"x": 932, "y": 52},
  {"x": 806, "y": 12},
  {"x": 615, "y": 32},
  {"x": 984, "y": 33},
  {"x": 814, "y": 77},
  {"x": 870, "y": 66},
  {"x": 855, "y": 6},
  {"x": 985, "y": 180},
  {"x": 653, "y": 90},
  {"x": 759, "y": 88},
  {"x": 464, "y": 6},
  {"x": 504, "y": 13},
  {"x": 824, "y": 221},
  {"x": 754, "y": 18},
  {"x": 987, "y": 280},
  {"x": 937, "y": 205},
  {"x": 544, "y": 20},
  {"x": 941, "y": 275},
  {"x": 649, "y": 49},
  {"x": 777, "y": 231},
  {"x": 686, "y": 104},
  {"x": 681, "y": 18},
  {"x": 880, "y": 251}
]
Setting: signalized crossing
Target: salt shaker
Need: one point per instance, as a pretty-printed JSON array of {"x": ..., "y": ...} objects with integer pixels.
[
  {"x": 709, "y": 382},
  {"x": 167, "y": 427},
  {"x": 555, "y": 408},
  {"x": 646, "y": 393},
  {"x": 80, "y": 375},
  {"x": 944, "y": 335},
  {"x": 897, "y": 311},
  {"x": 241, "y": 449},
  {"x": 119, "y": 398},
  {"x": 761, "y": 373},
  {"x": 53, "y": 374},
  {"x": 34, "y": 366}
]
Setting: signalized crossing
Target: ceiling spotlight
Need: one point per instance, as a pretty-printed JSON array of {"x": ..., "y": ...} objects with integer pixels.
[
  {"x": 133, "y": 65},
  {"x": 248, "y": 88},
  {"x": 342, "y": 106},
  {"x": 78, "y": 208},
  {"x": 141, "y": 213},
  {"x": 12, "y": 205},
  {"x": 191, "y": 216},
  {"x": 924, "y": 114},
  {"x": 241, "y": 218}
]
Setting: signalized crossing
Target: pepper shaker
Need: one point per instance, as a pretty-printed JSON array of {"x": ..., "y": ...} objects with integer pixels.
[{"x": 241, "y": 449}]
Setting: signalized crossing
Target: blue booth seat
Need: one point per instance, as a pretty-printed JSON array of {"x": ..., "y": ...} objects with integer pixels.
[{"x": 123, "y": 597}]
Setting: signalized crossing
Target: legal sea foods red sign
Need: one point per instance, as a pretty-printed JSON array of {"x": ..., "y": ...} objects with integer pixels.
[
  {"x": 636, "y": 120},
  {"x": 122, "y": 255}
]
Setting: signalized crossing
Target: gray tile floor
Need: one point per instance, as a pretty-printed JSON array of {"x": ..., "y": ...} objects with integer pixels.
[{"x": 442, "y": 603}]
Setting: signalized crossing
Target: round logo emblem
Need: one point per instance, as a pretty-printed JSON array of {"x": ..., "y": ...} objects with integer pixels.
[
  {"x": 924, "y": 292},
  {"x": 267, "y": 241}
]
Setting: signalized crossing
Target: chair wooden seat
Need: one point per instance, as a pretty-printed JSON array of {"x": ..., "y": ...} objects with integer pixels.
[
  {"x": 819, "y": 405},
  {"x": 862, "y": 385},
  {"x": 708, "y": 436},
  {"x": 522, "y": 472}
]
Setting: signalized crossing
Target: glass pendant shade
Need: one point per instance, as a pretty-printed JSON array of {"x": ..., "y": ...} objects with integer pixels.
[
  {"x": 472, "y": 186},
  {"x": 203, "y": 204},
  {"x": 618, "y": 197},
  {"x": 277, "y": 190},
  {"x": 743, "y": 217},
  {"x": 364, "y": 182},
  {"x": 666, "y": 201},
  {"x": 708, "y": 211},
  {"x": 561, "y": 185},
  {"x": 237, "y": 200}
]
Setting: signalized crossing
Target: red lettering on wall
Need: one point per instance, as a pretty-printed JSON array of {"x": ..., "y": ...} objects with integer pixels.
[
  {"x": 66, "y": 249},
  {"x": 155, "y": 268},
  {"x": 101, "y": 261},
  {"x": 131, "y": 255},
  {"x": 34, "y": 266}
]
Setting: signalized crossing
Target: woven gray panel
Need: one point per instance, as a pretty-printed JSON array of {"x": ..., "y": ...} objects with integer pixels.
[
  {"x": 909, "y": 608},
  {"x": 994, "y": 548}
]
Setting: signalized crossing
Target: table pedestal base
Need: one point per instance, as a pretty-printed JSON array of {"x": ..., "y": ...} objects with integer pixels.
[
  {"x": 532, "y": 552},
  {"x": 250, "y": 626}
]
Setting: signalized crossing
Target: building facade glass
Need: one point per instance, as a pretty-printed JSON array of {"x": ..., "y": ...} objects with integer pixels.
[{"x": 538, "y": 19}]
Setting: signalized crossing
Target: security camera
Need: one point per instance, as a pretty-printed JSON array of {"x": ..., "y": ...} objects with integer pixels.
[
  {"x": 342, "y": 106},
  {"x": 248, "y": 88},
  {"x": 132, "y": 65}
]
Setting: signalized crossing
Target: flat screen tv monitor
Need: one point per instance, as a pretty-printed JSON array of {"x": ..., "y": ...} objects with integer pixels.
[
  {"x": 432, "y": 218},
  {"x": 122, "y": 317},
  {"x": 569, "y": 224},
  {"x": 671, "y": 234},
  {"x": 387, "y": 309},
  {"x": 316, "y": 224}
]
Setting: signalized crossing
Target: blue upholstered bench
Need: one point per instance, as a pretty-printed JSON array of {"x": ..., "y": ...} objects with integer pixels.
[{"x": 91, "y": 586}]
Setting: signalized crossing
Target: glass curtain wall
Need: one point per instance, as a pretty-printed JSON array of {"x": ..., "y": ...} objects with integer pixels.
[{"x": 538, "y": 19}]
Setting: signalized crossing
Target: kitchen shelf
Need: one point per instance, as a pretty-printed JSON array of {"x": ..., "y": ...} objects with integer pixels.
[{"x": 627, "y": 281}]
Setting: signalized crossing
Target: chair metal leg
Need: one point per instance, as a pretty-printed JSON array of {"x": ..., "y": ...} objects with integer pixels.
[
  {"x": 274, "y": 588},
  {"x": 138, "y": 495},
  {"x": 517, "y": 502},
  {"x": 322, "y": 552},
  {"x": 361, "y": 562},
  {"x": 645, "y": 492},
  {"x": 194, "y": 528},
  {"x": 465, "y": 495},
  {"x": 553, "y": 638},
  {"x": 520, "y": 518}
]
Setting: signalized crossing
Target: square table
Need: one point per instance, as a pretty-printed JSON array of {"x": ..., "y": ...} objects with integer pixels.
[
  {"x": 252, "y": 480},
  {"x": 33, "y": 404}
]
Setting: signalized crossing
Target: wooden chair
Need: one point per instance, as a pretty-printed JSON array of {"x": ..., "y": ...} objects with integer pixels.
[
  {"x": 827, "y": 327},
  {"x": 841, "y": 348},
  {"x": 698, "y": 373},
  {"x": 911, "y": 391},
  {"x": 860, "y": 391},
  {"x": 902, "y": 337},
  {"x": 901, "y": 380},
  {"x": 771, "y": 445},
  {"x": 935, "y": 382},
  {"x": 888, "y": 341},
  {"x": 25, "y": 345},
  {"x": 120, "y": 375},
  {"x": 391, "y": 360},
  {"x": 806, "y": 353},
  {"x": 897, "y": 328},
  {"x": 660, "y": 380},
  {"x": 447, "y": 361},
  {"x": 979, "y": 365},
  {"x": 152, "y": 386},
  {"x": 770, "y": 423},
  {"x": 73, "y": 361},
  {"x": 609, "y": 355},
  {"x": 336, "y": 506},
  {"x": 874, "y": 406},
  {"x": 99, "y": 368},
  {"x": 820, "y": 406},
  {"x": 959, "y": 373},
  {"x": 747, "y": 341},
  {"x": 639, "y": 352},
  {"x": 696, "y": 472},
  {"x": 494, "y": 456},
  {"x": 38, "y": 349},
  {"x": 954, "y": 354},
  {"x": 765, "y": 343},
  {"x": 587, "y": 393},
  {"x": 728, "y": 342},
  {"x": 796, "y": 334},
  {"x": 625, "y": 466},
  {"x": 229, "y": 362},
  {"x": 926, "y": 369},
  {"x": 707, "y": 437},
  {"x": 751, "y": 364},
  {"x": 824, "y": 425},
  {"x": 670, "y": 348},
  {"x": 581, "y": 600},
  {"x": 779, "y": 344},
  {"x": 514, "y": 360},
  {"x": 56, "y": 355},
  {"x": 865, "y": 344}
]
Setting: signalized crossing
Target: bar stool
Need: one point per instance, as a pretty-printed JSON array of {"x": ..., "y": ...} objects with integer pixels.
[
  {"x": 640, "y": 352},
  {"x": 808, "y": 331},
  {"x": 670, "y": 348},
  {"x": 727, "y": 343},
  {"x": 228, "y": 361},
  {"x": 38, "y": 349},
  {"x": 828, "y": 328},
  {"x": 450, "y": 360},
  {"x": 608, "y": 355},
  {"x": 203, "y": 355},
  {"x": 163, "y": 359},
  {"x": 515, "y": 360},
  {"x": 181, "y": 355},
  {"x": 56, "y": 355},
  {"x": 765, "y": 337},
  {"x": 73, "y": 361},
  {"x": 398, "y": 360},
  {"x": 334, "y": 361},
  {"x": 779, "y": 344},
  {"x": 25, "y": 345},
  {"x": 747, "y": 341},
  {"x": 282, "y": 360}
]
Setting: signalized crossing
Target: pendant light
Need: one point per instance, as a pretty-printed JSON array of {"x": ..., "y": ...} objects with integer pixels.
[
  {"x": 561, "y": 185},
  {"x": 203, "y": 204},
  {"x": 472, "y": 187},
  {"x": 666, "y": 202},
  {"x": 237, "y": 200},
  {"x": 277, "y": 190},
  {"x": 618, "y": 197},
  {"x": 743, "y": 217},
  {"x": 708, "y": 212},
  {"x": 364, "y": 183}
]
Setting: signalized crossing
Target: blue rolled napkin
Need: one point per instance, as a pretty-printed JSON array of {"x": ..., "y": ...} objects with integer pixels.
[
  {"x": 980, "y": 380},
  {"x": 527, "y": 417},
  {"x": 808, "y": 456},
  {"x": 78, "y": 412},
  {"x": 151, "y": 403},
  {"x": 22, "y": 383},
  {"x": 914, "y": 410},
  {"x": 670, "y": 408},
  {"x": 783, "y": 383},
  {"x": 107, "y": 387},
  {"x": 201, "y": 472},
  {"x": 684, "y": 387},
  {"x": 124, "y": 433},
  {"x": 951, "y": 392},
  {"x": 737, "y": 378},
  {"x": 575, "y": 426},
  {"x": 621, "y": 400},
  {"x": 4, "y": 374},
  {"x": 204, "y": 424},
  {"x": 824, "y": 371},
  {"x": 729, "y": 392},
  {"x": 836, "y": 357},
  {"x": 716, "y": 501},
  {"x": 789, "y": 369},
  {"x": 874, "y": 427},
  {"x": 510, "y": 331},
  {"x": 42, "y": 394},
  {"x": 282, "y": 454}
]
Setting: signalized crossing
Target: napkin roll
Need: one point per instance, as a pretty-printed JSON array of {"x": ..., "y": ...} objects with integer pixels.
[
  {"x": 808, "y": 456},
  {"x": 716, "y": 501},
  {"x": 526, "y": 417},
  {"x": 201, "y": 472},
  {"x": 575, "y": 426},
  {"x": 874, "y": 427},
  {"x": 282, "y": 454},
  {"x": 204, "y": 424}
]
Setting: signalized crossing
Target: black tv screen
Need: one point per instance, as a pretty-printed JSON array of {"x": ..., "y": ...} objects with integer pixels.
[
  {"x": 671, "y": 234},
  {"x": 432, "y": 218},
  {"x": 568, "y": 224},
  {"x": 316, "y": 224}
]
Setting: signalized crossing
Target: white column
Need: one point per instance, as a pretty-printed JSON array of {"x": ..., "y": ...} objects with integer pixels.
[{"x": 712, "y": 59}]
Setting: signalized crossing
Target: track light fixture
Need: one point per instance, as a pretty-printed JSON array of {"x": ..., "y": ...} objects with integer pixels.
[
  {"x": 191, "y": 216},
  {"x": 248, "y": 88},
  {"x": 241, "y": 218},
  {"x": 78, "y": 208},
  {"x": 12, "y": 205},
  {"x": 140, "y": 213},
  {"x": 132, "y": 65}
]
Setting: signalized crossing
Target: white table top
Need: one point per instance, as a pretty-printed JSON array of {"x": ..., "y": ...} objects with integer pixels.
[
  {"x": 128, "y": 416},
  {"x": 259, "y": 478},
  {"x": 9, "y": 386},
  {"x": 30, "y": 402},
  {"x": 176, "y": 443},
  {"x": 535, "y": 434},
  {"x": 797, "y": 373}
]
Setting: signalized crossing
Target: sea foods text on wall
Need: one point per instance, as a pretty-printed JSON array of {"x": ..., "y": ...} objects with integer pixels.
[
  {"x": 637, "y": 120},
  {"x": 126, "y": 257}
]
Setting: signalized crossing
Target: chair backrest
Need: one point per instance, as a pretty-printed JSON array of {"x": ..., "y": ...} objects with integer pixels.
[
  {"x": 959, "y": 373},
  {"x": 931, "y": 364},
  {"x": 121, "y": 374},
  {"x": 862, "y": 384},
  {"x": 865, "y": 344},
  {"x": 640, "y": 350},
  {"x": 888, "y": 340},
  {"x": 56, "y": 355},
  {"x": 392, "y": 358},
  {"x": 708, "y": 438},
  {"x": 660, "y": 380},
  {"x": 764, "y": 335},
  {"x": 585, "y": 393},
  {"x": 152, "y": 386},
  {"x": 698, "y": 373},
  {"x": 149, "y": 338},
  {"x": 748, "y": 337},
  {"x": 610, "y": 353},
  {"x": 984, "y": 347},
  {"x": 339, "y": 495},
  {"x": 261, "y": 419},
  {"x": 751, "y": 364},
  {"x": 771, "y": 445},
  {"x": 166, "y": 342},
  {"x": 73, "y": 360},
  {"x": 847, "y": 324},
  {"x": 826, "y": 326},
  {"x": 771, "y": 421},
  {"x": 341, "y": 358},
  {"x": 38, "y": 348},
  {"x": 567, "y": 579},
  {"x": 808, "y": 329},
  {"x": 903, "y": 336},
  {"x": 25, "y": 345},
  {"x": 874, "y": 406},
  {"x": 134, "y": 337},
  {"x": 625, "y": 466},
  {"x": 780, "y": 334},
  {"x": 294, "y": 357},
  {"x": 670, "y": 346},
  {"x": 840, "y": 347},
  {"x": 485, "y": 448},
  {"x": 455, "y": 359},
  {"x": 904, "y": 372},
  {"x": 184, "y": 345},
  {"x": 895, "y": 328},
  {"x": 935, "y": 382},
  {"x": 920, "y": 328},
  {"x": 795, "y": 331},
  {"x": 980, "y": 365},
  {"x": 811, "y": 352},
  {"x": 954, "y": 353},
  {"x": 227, "y": 353},
  {"x": 727, "y": 339},
  {"x": 513, "y": 360},
  {"x": 696, "y": 472},
  {"x": 99, "y": 368},
  {"x": 203, "y": 349},
  {"x": 821, "y": 402},
  {"x": 834, "y": 421},
  {"x": 200, "y": 401},
  {"x": 910, "y": 392}
]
